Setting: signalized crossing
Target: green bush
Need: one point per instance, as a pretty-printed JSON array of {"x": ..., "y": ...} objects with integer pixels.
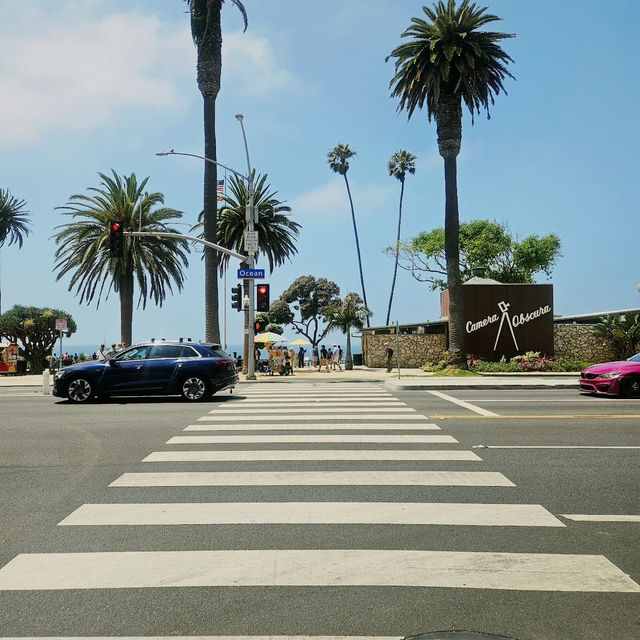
[{"x": 531, "y": 361}]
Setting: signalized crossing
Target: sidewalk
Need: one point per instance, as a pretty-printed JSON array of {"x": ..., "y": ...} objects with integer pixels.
[{"x": 409, "y": 379}]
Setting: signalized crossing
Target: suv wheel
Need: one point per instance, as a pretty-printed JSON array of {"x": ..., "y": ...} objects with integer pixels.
[
  {"x": 195, "y": 388},
  {"x": 80, "y": 390}
]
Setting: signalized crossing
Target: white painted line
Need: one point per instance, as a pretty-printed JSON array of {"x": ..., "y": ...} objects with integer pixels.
[
  {"x": 311, "y": 454},
  {"x": 318, "y": 426},
  {"x": 313, "y": 478},
  {"x": 317, "y": 395},
  {"x": 357, "y": 437},
  {"x": 413, "y": 417},
  {"x": 324, "y": 410},
  {"x": 582, "y": 517},
  {"x": 394, "y": 513},
  {"x": 462, "y": 403},
  {"x": 315, "y": 568},
  {"x": 553, "y": 446},
  {"x": 309, "y": 402},
  {"x": 207, "y": 638}
]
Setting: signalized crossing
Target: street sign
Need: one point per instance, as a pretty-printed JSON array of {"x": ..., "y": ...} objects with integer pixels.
[
  {"x": 61, "y": 324},
  {"x": 251, "y": 241},
  {"x": 245, "y": 274}
]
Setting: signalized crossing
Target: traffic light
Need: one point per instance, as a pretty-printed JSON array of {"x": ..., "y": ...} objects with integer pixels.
[
  {"x": 262, "y": 299},
  {"x": 259, "y": 326},
  {"x": 116, "y": 239},
  {"x": 236, "y": 297}
]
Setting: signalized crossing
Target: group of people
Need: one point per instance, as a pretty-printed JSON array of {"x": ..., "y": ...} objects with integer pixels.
[
  {"x": 329, "y": 358},
  {"x": 104, "y": 354}
]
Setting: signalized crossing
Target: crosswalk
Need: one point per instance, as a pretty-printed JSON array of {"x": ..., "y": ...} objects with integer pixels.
[{"x": 323, "y": 436}]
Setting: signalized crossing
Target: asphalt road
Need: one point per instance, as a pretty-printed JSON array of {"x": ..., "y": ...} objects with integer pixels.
[{"x": 555, "y": 446}]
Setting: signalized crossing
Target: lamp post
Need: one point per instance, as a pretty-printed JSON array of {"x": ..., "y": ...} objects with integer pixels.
[{"x": 249, "y": 314}]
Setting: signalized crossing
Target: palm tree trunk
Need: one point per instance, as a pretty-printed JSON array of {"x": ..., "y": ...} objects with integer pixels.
[
  {"x": 126, "y": 309},
  {"x": 355, "y": 232},
  {"x": 348, "y": 362},
  {"x": 212, "y": 325},
  {"x": 449, "y": 124},
  {"x": 395, "y": 266}
]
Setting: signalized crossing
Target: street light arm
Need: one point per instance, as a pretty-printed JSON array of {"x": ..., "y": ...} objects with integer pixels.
[{"x": 195, "y": 155}]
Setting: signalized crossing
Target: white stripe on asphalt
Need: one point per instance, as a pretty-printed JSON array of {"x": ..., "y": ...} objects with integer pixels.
[
  {"x": 551, "y": 446},
  {"x": 339, "y": 402},
  {"x": 395, "y": 513},
  {"x": 318, "y": 426},
  {"x": 582, "y": 517},
  {"x": 207, "y": 638},
  {"x": 462, "y": 403},
  {"x": 313, "y": 478},
  {"x": 315, "y": 568},
  {"x": 357, "y": 437},
  {"x": 311, "y": 454},
  {"x": 326, "y": 410},
  {"x": 317, "y": 394},
  {"x": 323, "y": 415}
]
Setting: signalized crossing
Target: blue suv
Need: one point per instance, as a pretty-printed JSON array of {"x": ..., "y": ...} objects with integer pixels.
[{"x": 190, "y": 369}]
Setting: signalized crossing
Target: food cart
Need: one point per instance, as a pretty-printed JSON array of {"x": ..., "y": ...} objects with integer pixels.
[{"x": 8, "y": 358}]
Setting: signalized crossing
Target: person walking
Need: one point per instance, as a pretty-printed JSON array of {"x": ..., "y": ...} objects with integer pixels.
[
  {"x": 323, "y": 359},
  {"x": 336, "y": 357},
  {"x": 314, "y": 356},
  {"x": 388, "y": 355},
  {"x": 301, "y": 353},
  {"x": 102, "y": 354}
]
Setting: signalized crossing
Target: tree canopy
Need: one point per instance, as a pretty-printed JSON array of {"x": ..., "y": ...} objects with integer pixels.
[
  {"x": 483, "y": 243},
  {"x": 34, "y": 329},
  {"x": 305, "y": 305}
]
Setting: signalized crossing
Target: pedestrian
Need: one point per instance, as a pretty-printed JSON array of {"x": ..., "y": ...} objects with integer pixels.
[
  {"x": 323, "y": 359},
  {"x": 102, "y": 354},
  {"x": 314, "y": 356},
  {"x": 288, "y": 369},
  {"x": 388, "y": 355},
  {"x": 292, "y": 356},
  {"x": 112, "y": 352},
  {"x": 301, "y": 353},
  {"x": 336, "y": 357}
]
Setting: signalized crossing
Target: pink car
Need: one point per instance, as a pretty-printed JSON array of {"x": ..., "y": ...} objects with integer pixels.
[{"x": 613, "y": 378}]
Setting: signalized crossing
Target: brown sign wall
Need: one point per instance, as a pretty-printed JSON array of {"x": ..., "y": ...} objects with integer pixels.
[{"x": 507, "y": 319}]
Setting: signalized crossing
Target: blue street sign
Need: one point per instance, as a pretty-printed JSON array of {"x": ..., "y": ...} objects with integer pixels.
[{"x": 256, "y": 274}]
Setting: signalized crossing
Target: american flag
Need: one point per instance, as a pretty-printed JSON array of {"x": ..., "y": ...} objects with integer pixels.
[{"x": 220, "y": 190}]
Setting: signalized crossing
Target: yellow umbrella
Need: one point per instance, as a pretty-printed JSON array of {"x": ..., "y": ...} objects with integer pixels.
[
  {"x": 298, "y": 342},
  {"x": 269, "y": 337}
]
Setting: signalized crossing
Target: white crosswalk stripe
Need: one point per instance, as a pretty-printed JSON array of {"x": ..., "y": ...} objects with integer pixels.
[
  {"x": 288, "y": 417},
  {"x": 250, "y": 439},
  {"x": 317, "y": 426}
]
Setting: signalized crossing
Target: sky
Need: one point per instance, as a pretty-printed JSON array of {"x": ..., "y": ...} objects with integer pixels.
[{"x": 88, "y": 86}]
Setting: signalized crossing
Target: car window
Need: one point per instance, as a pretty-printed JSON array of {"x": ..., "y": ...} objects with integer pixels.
[
  {"x": 635, "y": 358},
  {"x": 136, "y": 353},
  {"x": 189, "y": 352},
  {"x": 167, "y": 351}
]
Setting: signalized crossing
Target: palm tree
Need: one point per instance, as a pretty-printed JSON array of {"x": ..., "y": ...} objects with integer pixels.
[
  {"x": 14, "y": 222},
  {"x": 447, "y": 61},
  {"x": 338, "y": 159},
  {"x": 398, "y": 165},
  {"x": 206, "y": 31},
  {"x": 276, "y": 232},
  {"x": 348, "y": 314},
  {"x": 83, "y": 247}
]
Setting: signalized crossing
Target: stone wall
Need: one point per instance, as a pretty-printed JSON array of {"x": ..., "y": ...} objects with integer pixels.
[
  {"x": 579, "y": 341},
  {"x": 571, "y": 341},
  {"x": 415, "y": 350}
]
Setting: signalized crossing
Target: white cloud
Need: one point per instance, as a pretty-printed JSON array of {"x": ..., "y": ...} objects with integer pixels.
[
  {"x": 331, "y": 200},
  {"x": 61, "y": 76}
]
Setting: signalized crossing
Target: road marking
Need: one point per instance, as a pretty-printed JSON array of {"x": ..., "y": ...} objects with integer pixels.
[
  {"x": 315, "y": 568},
  {"x": 581, "y": 517},
  {"x": 313, "y": 478},
  {"x": 318, "y": 426},
  {"x": 209, "y": 638},
  {"x": 310, "y": 454},
  {"x": 288, "y": 417},
  {"x": 394, "y": 513},
  {"x": 333, "y": 437},
  {"x": 308, "y": 402},
  {"x": 318, "y": 395},
  {"x": 549, "y": 446},
  {"x": 558, "y": 416},
  {"x": 462, "y": 403},
  {"x": 327, "y": 411}
]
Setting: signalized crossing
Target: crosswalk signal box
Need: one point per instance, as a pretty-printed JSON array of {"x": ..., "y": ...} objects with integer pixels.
[{"x": 236, "y": 297}]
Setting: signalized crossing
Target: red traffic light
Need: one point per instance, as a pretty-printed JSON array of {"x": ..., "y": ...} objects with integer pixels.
[
  {"x": 115, "y": 226},
  {"x": 262, "y": 289}
]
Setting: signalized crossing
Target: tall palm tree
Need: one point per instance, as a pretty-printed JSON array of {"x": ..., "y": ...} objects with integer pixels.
[
  {"x": 338, "y": 159},
  {"x": 449, "y": 60},
  {"x": 156, "y": 264},
  {"x": 206, "y": 31},
  {"x": 276, "y": 232},
  {"x": 349, "y": 313},
  {"x": 14, "y": 222},
  {"x": 399, "y": 164}
]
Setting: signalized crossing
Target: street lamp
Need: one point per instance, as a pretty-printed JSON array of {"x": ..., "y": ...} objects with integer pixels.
[{"x": 249, "y": 219}]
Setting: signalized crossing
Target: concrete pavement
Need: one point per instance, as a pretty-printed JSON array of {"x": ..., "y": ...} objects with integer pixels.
[{"x": 409, "y": 379}]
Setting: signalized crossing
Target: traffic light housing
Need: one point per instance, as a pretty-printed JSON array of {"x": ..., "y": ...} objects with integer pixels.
[
  {"x": 236, "y": 297},
  {"x": 262, "y": 297},
  {"x": 259, "y": 326},
  {"x": 116, "y": 239}
]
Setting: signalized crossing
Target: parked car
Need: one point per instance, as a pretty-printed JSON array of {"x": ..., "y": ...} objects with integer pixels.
[
  {"x": 620, "y": 378},
  {"x": 190, "y": 369}
]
